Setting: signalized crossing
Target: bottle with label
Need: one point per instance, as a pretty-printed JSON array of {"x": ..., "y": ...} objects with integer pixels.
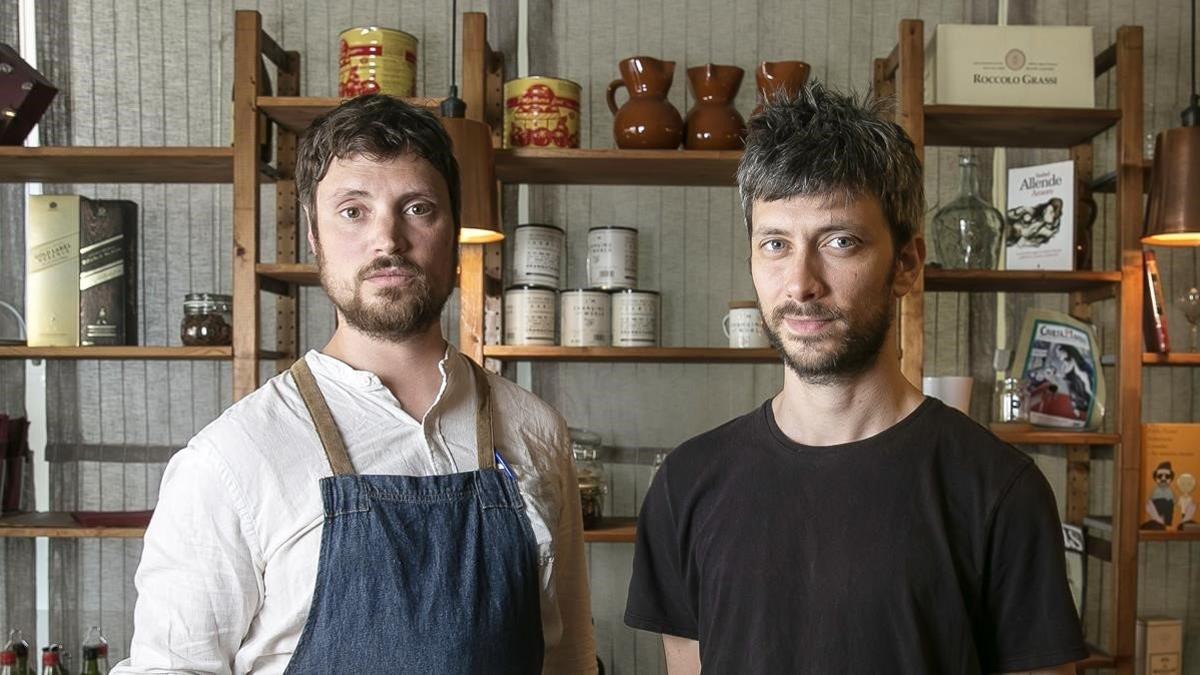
[
  {"x": 52, "y": 660},
  {"x": 8, "y": 663},
  {"x": 91, "y": 662},
  {"x": 95, "y": 639}
]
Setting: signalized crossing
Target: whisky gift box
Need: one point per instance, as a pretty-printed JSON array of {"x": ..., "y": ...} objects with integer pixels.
[
  {"x": 1042, "y": 66},
  {"x": 81, "y": 284},
  {"x": 24, "y": 97}
]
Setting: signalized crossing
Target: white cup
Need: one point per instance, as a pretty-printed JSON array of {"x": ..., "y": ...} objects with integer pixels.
[
  {"x": 743, "y": 325},
  {"x": 955, "y": 391}
]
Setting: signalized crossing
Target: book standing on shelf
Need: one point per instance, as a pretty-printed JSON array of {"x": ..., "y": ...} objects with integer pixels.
[
  {"x": 1058, "y": 363},
  {"x": 1170, "y": 466},
  {"x": 1041, "y": 217},
  {"x": 1154, "y": 307}
]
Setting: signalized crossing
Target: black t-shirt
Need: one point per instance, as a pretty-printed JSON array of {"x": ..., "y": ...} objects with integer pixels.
[{"x": 932, "y": 547}]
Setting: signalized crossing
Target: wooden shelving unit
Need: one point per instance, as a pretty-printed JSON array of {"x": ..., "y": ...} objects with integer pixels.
[
  {"x": 1172, "y": 359},
  {"x": 632, "y": 354},
  {"x": 612, "y": 531},
  {"x": 617, "y": 167},
  {"x": 296, "y": 113},
  {"x": 979, "y": 281},
  {"x": 1107, "y": 183},
  {"x": 901, "y": 74},
  {"x": 1043, "y": 437},
  {"x": 1163, "y": 535},
  {"x": 301, "y": 274},
  {"x": 1015, "y": 127},
  {"x": 61, "y": 525},
  {"x": 116, "y": 165},
  {"x": 138, "y": 353}
]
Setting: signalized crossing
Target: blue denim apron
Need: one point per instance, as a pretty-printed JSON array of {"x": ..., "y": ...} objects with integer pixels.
[{"x": 421, "y": 574}]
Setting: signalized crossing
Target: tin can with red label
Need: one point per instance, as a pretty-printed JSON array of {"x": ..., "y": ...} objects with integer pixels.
[
  {"x": 373, "y": 60},
  {"x": 541, "y": 112}
]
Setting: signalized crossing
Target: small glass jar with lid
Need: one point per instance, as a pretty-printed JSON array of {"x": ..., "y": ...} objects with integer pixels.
[
  {"x": 593, "y": 483},
  {"x": 207, "y": 320}
]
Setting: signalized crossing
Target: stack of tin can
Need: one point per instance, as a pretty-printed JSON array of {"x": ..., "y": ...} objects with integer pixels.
[
  {"x": 610, "y": 310},
  {"x": 374, "y": 60}
]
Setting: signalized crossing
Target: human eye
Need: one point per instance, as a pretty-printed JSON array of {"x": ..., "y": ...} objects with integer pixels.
[
  {"x": 773, "y": 246},
  {"x": 843, "y": 242},
  {"x": 351, "y": 213},
  {"x": 419, "y": 209}
]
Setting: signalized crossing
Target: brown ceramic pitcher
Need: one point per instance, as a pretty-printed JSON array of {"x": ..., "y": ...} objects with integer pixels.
[
  {"x": 647, "y": 120},
  {"x": 779, "y": 77},
  {"x": 713, "y": 123}
]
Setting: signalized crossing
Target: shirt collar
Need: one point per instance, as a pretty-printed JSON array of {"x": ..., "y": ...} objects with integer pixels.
[{"x": 450, "y": 366}]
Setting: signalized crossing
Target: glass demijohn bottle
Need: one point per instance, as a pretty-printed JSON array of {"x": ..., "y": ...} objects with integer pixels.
[{"x": 967, "y": 231}]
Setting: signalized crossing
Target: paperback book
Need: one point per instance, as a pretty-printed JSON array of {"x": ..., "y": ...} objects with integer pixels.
[
  {"x": 1041, "y": 217},
  {"x": 1058, "y": 363}
]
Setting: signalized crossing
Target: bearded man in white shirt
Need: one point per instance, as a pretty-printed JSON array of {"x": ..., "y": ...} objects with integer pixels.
[{"x": 386, "y": 505}]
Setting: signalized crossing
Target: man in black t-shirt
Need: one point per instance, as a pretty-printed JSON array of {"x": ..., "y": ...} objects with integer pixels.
[{"x": 848, "y": 525}]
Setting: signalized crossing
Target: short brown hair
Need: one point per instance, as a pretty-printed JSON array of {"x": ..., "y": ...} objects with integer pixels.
[
  {"x": 380, "y": 128},
  {"x": 825, "y": 144}
]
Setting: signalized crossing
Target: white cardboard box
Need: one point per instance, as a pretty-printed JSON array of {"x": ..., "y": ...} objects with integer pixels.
[
  {"x": 1043, "y": 66},
  {"x": 1159, "y": 646},
  {"x": 52, "y": 271}
]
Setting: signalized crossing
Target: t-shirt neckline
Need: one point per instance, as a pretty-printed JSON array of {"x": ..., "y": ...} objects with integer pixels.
[{"x": 881, "y": 439}]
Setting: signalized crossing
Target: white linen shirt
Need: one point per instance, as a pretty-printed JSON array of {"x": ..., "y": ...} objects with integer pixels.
[{"x": 230, "y": 557}]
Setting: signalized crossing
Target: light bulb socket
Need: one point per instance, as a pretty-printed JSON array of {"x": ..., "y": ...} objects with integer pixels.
[
  {"x": 453, "y": 106},
  {"x": 1191, "y": 114}
]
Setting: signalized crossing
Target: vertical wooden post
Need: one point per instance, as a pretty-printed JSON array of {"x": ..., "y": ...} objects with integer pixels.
[
  {"x": 474, "y": 64},
  {"x": 1129, "y": 359},
  {"x": 910, "y": 115},
  {"x": 287, "y": 326},
  {"x": 470, "y": 257},
  {"x": 246, "y": 54},
  {"x": 1079, "y": 467}
]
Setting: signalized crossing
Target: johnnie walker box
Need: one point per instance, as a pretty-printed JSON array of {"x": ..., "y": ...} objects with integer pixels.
[
  {"x": 81, "y": 286},
  {"x": 1037, "y": 66}
]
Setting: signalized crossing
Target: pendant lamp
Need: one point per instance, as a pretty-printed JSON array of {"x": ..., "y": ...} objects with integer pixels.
[
  {"x": 1173, "y": 212},
  {"x": 472, "y": 142}
]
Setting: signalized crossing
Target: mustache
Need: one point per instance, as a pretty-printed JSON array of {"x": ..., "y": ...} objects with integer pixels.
[
  {"x": 796, "y": 310},
  {"x": 390, "y": 262}
]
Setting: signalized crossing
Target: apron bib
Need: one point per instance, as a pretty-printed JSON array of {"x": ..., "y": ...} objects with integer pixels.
[{"x": 421, "y": 574}]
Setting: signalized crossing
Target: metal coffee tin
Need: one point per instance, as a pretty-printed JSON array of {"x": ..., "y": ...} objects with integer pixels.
[
  {"x": 374, "y": 60},
  {"x": 585, "y": 317},
  {"x": 529, "y": 315},
  {"x": 538, "y": 254},
  {"x": 612, "y": 257},
  {"x": 635, "y": 318}
]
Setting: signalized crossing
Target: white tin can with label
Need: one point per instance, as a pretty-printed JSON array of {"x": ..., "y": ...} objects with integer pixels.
[
  {"x": 612, "y": 257},
  {"x": 538, "y": 255},
  {"x": 635, "y": 318},
  {"x": 585, "y": 318},
  {"x": 529, "y": 315}
]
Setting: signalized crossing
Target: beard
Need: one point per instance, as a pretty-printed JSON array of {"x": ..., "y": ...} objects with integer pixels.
[
  {"x": 853, "y": 352},
  {"x": 390, "y": 313}
]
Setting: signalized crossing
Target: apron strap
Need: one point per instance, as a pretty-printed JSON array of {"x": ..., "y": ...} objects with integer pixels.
[
  {"x": 485, "y": 444},
  {"x": 318, "y": 409}
]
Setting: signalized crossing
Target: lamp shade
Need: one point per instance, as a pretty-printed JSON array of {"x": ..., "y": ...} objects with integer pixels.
[
  {"x": 1173, "y": 212},
  {"x": 476, "y": 170}
]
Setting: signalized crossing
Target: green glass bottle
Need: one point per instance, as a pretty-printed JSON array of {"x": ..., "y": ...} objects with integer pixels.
[
  {"x": 967, "y": 231},
  {"x": 96, "y": 640},
  {"x": 20, "y": 649},
  {"x": 52, "y": 661},
  {"x": 8, "y": 663},
  {"x": 91, "y": 661}
]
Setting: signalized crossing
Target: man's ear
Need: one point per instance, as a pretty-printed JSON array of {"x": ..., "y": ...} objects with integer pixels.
[{"x": 910, "y": 261}]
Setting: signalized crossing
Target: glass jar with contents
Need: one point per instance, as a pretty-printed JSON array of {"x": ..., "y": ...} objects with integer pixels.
[
  {"x": 207, "y": 320},
  {"x": 585, "y": 446}
]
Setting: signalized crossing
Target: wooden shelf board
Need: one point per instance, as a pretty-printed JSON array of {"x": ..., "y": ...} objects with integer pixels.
[
  {"x": 295, "y": 113},
  {"x": 60, "y": 525},
  {"x": 1171, "y": 359},
  {"x": 122, "y": 352},
  {"x": 116, "y": 165},
  {"x": 953, "y": 280},
  {"x": 618, "y": 167},
  {"x": 632, "y": 354},
  {"x": 1168, "y": 535},
  {"x": 612, "y": 531},
  {"x": 1014, "y": 127},
  {"x": 1043, "y": 437},
  {"x": 291, "y": 273},
  {"x": 1107, "y": 183}
]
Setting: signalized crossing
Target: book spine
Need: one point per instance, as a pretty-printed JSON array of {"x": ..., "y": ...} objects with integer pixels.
[{"x": 1154, "y": 315}]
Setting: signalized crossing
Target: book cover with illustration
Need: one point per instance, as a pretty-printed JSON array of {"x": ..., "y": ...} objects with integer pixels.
[
  {"x": 1170, "y": 468},
  {"x": 1041, "y": 217},
  {"x": 1058, "y": 363}
]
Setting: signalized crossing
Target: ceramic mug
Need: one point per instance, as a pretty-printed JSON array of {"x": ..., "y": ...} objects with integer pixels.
[
  {"x": 743, "y": 325},
  {"x": 954, "y": 391}
]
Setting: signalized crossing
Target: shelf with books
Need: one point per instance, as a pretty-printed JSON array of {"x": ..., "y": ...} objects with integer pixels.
[
  {"x": 631, "y": 354},
  {"x": 939, "y": 279},
  {"x": 612, "y": 531},
  {"x": 63, "y": 525},
  {"x": 78, "y": 164},
  {"x": 617, "y": 167}
]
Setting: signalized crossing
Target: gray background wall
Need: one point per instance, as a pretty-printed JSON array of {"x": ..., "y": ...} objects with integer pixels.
[{"x": 148, "y": 73}]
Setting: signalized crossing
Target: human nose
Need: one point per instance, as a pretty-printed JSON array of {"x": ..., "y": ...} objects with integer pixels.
[
  {"x": 805, "y": 277},
  {"x": 389, "y": 233}
]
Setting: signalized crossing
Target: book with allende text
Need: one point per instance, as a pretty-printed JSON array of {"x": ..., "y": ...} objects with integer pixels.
[{"x": 1041, "y": 217}]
